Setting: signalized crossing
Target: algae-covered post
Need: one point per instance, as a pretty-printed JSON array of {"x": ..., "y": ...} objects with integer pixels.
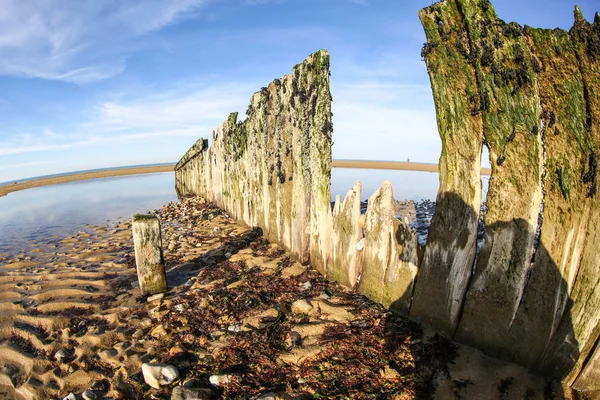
[{"x": 148, "y": 254}]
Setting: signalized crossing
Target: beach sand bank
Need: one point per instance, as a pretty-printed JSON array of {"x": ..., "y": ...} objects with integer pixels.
[
  {"x": 16, "y": 186},
  {"x": 239, "y": 312},
  {"x": 360, "y": 164}
]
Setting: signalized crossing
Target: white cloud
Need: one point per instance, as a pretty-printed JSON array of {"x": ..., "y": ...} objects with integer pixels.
[
  {"x": 186, "y": 110},
  {"x": 79, "y": 40}
]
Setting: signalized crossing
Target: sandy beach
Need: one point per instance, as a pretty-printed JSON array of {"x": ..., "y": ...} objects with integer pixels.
[
  {"x": 16, "y": 186},
  {"x": 393, "y": 165},
  {"x": 241, "y": 320}
]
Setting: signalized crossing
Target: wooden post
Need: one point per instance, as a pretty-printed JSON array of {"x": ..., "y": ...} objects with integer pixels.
[{"x": 148, "y": 254}]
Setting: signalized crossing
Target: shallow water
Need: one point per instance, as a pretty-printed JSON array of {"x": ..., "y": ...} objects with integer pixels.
[
  {"x": 41, "y": 214},
  {"x": 38, "y": 214}
]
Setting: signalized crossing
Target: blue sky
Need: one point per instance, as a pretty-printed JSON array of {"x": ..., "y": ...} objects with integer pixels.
[{"x": 100, "y": 83}]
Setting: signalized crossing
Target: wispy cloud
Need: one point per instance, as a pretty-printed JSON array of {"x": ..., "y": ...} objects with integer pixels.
[
  {"x": 185, "y": 110},
  {"x": 79, "y": 40}
]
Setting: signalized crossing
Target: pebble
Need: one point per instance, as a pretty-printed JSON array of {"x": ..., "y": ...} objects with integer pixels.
[
  {"x": 138, "y": 334},
  {"x": 307, "y": 285},
  {"x": 235, "y": 328},
  {"x": 301, "y": 307},
  {"x": 61, "y": 355},
  {"x": 155, "y": 297},
  {"x": 101, "y": 384},
  {"x": 157, "y": 375},
  {"x": 159, "y": 331},
  {"x": 222, "y": 380},
  {"x": 89, "y": 395},
  {"x": 185, "y": 393},
  {"x": 180, "y": 307},
  {"x": 274, "y": 396}
]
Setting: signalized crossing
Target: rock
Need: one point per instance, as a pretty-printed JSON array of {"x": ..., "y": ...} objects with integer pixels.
[
  {"x": 138, "y": 334},
  {"x": 301, "y": 307},
  {"x": 178, "y": 348},
  {"x": 157, "y": 375},
  {"x": 62, "y": 355},
  {"x": 180, "y": 307},
  {"x": 293, "y": 270},
  {"x": 70, "y": 396},
  {"x": 159, "y": 331},
  {"x": 155, "y": 297},
  {"x": 89, "y": 395},
  {"x": 234, "y": 328},
  {"x": 186, "y": 393},
  {"x": 274, "y": 396},
  {"x": 101, "y": 384},
  {"x": 306, "y": 285},
  {"x": 224, "y": 379}
]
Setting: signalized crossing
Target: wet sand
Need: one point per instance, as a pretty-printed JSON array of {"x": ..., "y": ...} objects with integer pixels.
[
  {"x": 13, "y": 187},
  {"x": 239, "y": 312}
]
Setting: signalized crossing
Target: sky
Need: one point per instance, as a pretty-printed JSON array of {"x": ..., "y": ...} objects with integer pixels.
[{"x": 88, "y": 84}]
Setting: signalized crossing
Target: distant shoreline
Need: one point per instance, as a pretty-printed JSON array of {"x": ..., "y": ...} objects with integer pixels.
[
  {"x": 136, "y": 170},
  {"x": 82, "y": 176},
  {"x": 393, "y": 165}
]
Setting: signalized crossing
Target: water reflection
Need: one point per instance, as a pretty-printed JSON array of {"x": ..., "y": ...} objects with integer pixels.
[
  {"x": 42, "y": 214},
  {"x": 59, "y": 210}
]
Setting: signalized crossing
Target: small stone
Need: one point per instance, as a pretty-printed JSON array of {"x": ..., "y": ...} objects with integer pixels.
[
  {"x": 223, "y": 380},
  {"x": 61, "y": 355},
  {"x": 176, "y": 350},
  {"x": 70, "y": 396},
  {"x": 135, "y": 284},
  {"x": 155, "y": 297},
  {"x": 186, "y": 393},
  {"x": 324, "y": 296},
  {"x": 157, "y": 375},
  {"x": 138, "y": 334},
  {"x": 360, "y": 323},
  {"x": 159, "y": 331},
  {"x": 89, "y": 395},
  {"x": 235, "y": 328},
  {"x": 301, "y": 307},
  {"x": 274, "y": 396},
  {"x": 228, "y": 255},
  {"x": 101, "y": 384},
  {"x": 180, "y": 307},
  {"x": 306, "y": 285}
]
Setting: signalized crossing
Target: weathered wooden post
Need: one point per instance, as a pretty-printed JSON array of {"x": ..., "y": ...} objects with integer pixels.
[{"x": 148, "y": 254}]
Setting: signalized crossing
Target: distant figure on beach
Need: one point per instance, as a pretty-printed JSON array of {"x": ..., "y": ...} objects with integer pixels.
[{"x": 407, "y": 159}]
